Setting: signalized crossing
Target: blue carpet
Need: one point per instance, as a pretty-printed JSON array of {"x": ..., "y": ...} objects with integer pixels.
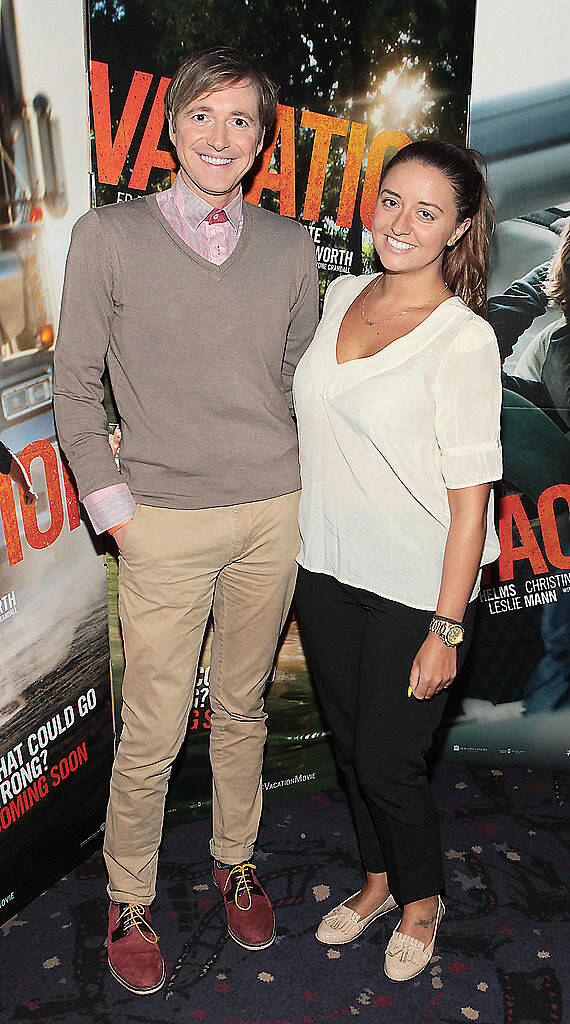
[{"x": 501, "y": 955}]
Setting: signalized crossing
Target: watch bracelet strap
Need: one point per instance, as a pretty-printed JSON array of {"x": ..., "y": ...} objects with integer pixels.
[{"x": 444, "y": 629}]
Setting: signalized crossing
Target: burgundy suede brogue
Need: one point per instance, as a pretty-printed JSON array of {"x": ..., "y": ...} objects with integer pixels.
[
  {"x": 251, "y": 921},
  {"x": 132, "y": 949}
]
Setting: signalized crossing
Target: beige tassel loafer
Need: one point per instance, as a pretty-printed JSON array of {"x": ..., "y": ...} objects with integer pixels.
[
  {"x": 343, "y": 925},
  {"x": 407, "y": 957}
]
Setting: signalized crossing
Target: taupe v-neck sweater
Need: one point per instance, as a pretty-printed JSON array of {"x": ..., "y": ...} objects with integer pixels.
[{"x": 201, "y": 357}]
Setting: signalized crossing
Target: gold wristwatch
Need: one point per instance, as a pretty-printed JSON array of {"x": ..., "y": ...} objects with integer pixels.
[{"x": 451, "y": 632}]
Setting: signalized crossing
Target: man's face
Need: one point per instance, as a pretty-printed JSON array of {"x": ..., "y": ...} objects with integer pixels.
[{"x": 217, "y": 138}]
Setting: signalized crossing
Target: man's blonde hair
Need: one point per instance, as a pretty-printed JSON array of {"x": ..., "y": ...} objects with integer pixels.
[{"x": 213, "y": 70}]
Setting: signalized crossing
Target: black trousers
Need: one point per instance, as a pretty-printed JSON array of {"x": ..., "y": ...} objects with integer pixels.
[{"x": 360, "y": 648}]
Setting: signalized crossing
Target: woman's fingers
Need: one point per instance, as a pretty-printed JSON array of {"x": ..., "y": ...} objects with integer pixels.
[{"x": 428, "y": 686}]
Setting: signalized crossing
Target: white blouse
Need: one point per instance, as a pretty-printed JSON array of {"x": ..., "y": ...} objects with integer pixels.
[{"x": 381, "y": 438}]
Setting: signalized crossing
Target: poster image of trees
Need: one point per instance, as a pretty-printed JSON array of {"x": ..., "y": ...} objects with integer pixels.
[{"x": 356, "y": 80}]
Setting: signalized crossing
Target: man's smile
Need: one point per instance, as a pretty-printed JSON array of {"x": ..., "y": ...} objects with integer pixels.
[{"x": 218, "y": 161}]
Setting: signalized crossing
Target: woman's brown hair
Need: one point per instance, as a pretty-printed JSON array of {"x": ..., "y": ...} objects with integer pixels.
[{"x": 465, "y": 263}]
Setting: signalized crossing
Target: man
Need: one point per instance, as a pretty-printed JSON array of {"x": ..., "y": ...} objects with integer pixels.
[{"x": 201, "y": 305}]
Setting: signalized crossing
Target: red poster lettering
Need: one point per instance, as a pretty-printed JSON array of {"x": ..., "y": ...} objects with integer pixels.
[
  {"x": 324, "y": 127},
  {"x": 283, "y": 180},
  {"x": 111, "y": 155},
  {"x": 385, "y": 140},
  {"x": 354, "y": 154},
  {"x": 550, "y": 536},
  {"x": 9, "y": 521},
  {"x": 149, "y": 155},
  {"x": 513, "y": 514},
  {"x": 36, "y": 539},
  {"x": 71, "y": 501}
]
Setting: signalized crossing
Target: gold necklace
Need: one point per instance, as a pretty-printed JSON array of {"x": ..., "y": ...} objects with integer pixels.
[{"x": 385, "y": 319}]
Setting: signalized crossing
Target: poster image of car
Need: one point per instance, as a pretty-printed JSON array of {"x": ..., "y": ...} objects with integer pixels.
[
  {"x": 356, "y": 84},
  {"x": 56, "y": 739},
  {"x": 514, "y": 698}
]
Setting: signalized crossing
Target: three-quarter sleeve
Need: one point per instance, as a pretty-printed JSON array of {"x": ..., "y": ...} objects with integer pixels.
[{"x": 468, "y": 408}]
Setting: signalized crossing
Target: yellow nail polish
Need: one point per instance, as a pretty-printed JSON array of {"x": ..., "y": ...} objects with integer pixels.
[{"x": 409, "y": 691}]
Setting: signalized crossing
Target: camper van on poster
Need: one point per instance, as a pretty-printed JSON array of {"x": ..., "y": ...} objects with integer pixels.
[{"x": 55, "y": 717}]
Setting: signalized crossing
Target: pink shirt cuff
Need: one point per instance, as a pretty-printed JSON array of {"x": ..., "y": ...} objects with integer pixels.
[{"x": 109, "y": 506}]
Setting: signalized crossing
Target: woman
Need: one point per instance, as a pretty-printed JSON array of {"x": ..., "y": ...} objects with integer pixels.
[
  {"x": 12, "y": 467},
  {"x": 398, "y": 401}
]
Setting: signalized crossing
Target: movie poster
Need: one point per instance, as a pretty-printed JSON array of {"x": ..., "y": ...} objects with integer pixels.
[
  {"x": 513, "y": 700},
  {"x": 357, "y": 81},
  {"x": 56, "y": 737}
]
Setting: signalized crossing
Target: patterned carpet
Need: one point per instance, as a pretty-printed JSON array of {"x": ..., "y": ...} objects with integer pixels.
[{"x": 501, "y": 956}]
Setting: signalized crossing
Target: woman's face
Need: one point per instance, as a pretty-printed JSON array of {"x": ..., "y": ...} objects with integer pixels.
[{"x": 415, "y": 218}]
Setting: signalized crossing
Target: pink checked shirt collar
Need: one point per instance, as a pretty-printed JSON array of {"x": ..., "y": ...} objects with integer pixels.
[{"x": 186, "y": 213}]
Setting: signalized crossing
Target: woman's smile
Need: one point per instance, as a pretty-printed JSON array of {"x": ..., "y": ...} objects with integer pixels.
[{"x": 398, "y": 244}]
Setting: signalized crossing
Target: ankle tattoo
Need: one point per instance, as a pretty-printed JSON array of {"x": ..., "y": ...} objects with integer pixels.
[{"x": 424, "y": 922}]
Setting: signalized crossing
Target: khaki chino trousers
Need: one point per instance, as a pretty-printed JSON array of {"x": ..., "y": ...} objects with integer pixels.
[{"x": 176, "y": 566}]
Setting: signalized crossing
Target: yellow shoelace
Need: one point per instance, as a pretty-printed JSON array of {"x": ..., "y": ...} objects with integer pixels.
[
  {"x": 244, "y": 882},
  {"x": 133, "y": 914}
]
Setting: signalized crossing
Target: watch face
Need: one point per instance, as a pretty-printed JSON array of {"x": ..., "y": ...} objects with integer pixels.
[{"x": 455, "y": 635}]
